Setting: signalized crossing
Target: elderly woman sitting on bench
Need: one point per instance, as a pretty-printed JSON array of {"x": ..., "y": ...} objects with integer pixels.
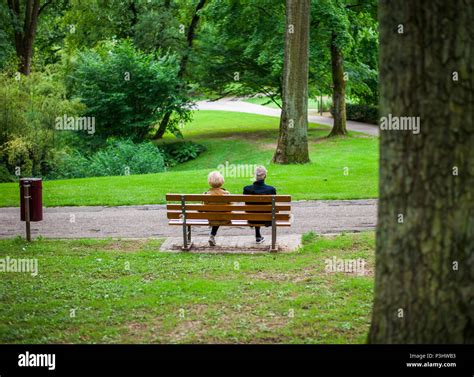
[{"x": 215, "y": 180}]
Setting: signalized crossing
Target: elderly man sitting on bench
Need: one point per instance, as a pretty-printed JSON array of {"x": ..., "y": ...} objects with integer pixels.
[{"x": 259, "y": 188}]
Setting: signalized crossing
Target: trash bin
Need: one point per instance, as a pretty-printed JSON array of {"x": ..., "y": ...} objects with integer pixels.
[{"x": 36, "y": 198}]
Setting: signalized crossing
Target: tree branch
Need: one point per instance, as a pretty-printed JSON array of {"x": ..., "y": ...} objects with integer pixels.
[
  {"x": 353, "y": 6},
  {"x": 44, "y": 6},
  {"x": 190, "y": 37}
]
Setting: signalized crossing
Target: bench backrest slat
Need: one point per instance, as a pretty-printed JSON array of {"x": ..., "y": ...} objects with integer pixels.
[
  {"x": 228, "y": 198},
  {"x": 229, "y": 207}
]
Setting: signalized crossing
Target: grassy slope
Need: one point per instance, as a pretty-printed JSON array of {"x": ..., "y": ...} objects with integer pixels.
[
  {"x": 239, "y": 139},
  {"x": 218, "y": 302}
]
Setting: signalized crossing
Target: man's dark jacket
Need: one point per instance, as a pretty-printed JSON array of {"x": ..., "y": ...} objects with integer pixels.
[{"x": 259, "y": 188}]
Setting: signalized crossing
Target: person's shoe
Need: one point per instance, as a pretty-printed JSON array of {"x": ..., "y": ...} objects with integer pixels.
[
  {"x": 260, "y": 240},
  {"x": 212, "y": 240}
]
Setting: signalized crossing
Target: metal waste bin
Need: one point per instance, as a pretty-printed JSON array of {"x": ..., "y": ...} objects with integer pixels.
[{"x": 35, "y": 192}]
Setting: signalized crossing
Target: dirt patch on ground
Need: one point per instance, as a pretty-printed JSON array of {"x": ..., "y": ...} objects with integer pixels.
[
  {"x": 298, "y": 276},
  {"x": 250, "y": 325},
  {"x": 135, "y": 327},
  {"x": 201, "y": 323},
  {"x": 126, "y": 245},
  {"x": 141, "y": 332},
  {"x": 185, "y": 330},
  {"x": 305, "y": 274},
  {"x": 368, "y": 271},
  {"x": 191, "y": 325}
]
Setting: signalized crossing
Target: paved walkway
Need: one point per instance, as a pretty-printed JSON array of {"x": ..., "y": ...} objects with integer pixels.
[
  {"x": 235, "y": 104},
  {"x": 286, "y": 243},
  {"x": 320, "y": 216}
]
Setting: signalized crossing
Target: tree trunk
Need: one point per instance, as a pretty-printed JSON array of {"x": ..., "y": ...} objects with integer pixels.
[
  {"x": 339, "y": 90},
  {"x": 293, "y": 139},
  {"x": 163, "y": 125},
  {"x": 183, "y": 64},
  {"x": 424, "y": 286},
  {"x": 25, "y": 35}
]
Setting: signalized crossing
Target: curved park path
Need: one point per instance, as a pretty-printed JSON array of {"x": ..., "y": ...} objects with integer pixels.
[
  {"x": 236, "y": 104},
  {"x": 320, "y": 216}
]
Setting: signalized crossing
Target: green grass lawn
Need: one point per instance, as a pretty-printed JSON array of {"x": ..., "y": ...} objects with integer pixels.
[
  {"x": 127, "y": 292},
  {"x": 240, "y": 139}
]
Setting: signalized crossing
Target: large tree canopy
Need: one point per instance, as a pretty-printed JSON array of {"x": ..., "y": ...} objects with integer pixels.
[
  {"x": 175, "y": 51},
  {"x": 128, "y": 91}
]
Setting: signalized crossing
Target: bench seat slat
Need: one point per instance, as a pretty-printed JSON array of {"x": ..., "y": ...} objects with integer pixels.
[
  {"x": 232, "y": 223},
  {"x": 228, "y": 198}
]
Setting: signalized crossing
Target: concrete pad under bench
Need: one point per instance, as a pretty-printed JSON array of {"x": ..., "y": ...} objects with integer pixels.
[{"x": 286, "y": 243}]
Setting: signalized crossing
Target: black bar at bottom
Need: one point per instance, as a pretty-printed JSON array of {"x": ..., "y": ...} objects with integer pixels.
[{"x": 243, "y": 360}]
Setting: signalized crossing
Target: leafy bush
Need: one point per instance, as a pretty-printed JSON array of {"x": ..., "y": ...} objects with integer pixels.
[
  {"x": 363, "y": 83},
  {"x": 70, "y": 165},
  {"x": 123, "y": 157},
  {"x": 30, "y": 106},
  {"x": 176, "y": 153},
  {"x": 119, "y": 157},
  {"x": 129, "y": 92},
  {"x": 5, "y": 175},
  {"x": 362, "y": 113}
]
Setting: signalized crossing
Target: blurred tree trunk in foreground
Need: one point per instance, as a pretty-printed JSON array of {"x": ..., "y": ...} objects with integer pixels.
[{"x": 424, "y": 291}]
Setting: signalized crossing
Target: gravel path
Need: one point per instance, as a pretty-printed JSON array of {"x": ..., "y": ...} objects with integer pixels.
[
  {"x": 320, "y": 216},
  {"x": 235, "y": 104}
]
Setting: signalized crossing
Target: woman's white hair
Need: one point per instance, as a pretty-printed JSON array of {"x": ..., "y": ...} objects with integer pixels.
[
  {"x": 215, "y": 179},
  {"x": 260, "y": 173}
]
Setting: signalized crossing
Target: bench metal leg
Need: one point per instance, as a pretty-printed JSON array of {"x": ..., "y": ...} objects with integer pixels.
[
  {"x": 273, "y": 247},
  {"x": 187, "y": 243},
  {"x": 186, "y": 229},
  {"x": 185, "y": 237}
]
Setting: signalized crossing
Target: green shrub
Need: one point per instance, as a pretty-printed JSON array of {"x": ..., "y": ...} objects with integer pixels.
[
  {"x": 70, "y": 165},
  {"x": 123, "y": 157},
  {"x": 176, "y": 153},
  {"x": 362, "y": 113},
  {"x": 119, "y": 157},
  {"x": 128, "y": 92},
  {"x": 29, "y": 109}
]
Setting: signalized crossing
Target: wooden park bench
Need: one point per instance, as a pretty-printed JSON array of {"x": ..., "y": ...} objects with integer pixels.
[{"x": 238, "y": 210}]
